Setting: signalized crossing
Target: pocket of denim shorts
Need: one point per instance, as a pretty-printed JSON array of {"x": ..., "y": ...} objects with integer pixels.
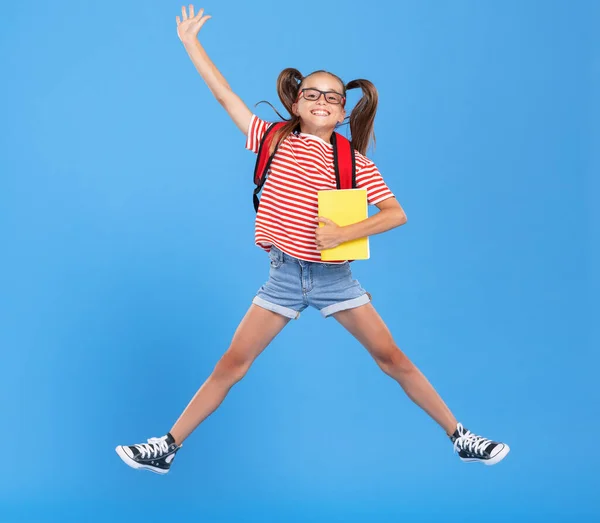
[{"x": 276, "y": 257}]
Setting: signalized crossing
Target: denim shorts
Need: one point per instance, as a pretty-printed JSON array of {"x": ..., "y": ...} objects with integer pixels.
[{"x": 295, "y": 284}]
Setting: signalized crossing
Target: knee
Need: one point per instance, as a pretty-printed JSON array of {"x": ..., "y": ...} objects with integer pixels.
[
  {"x": 232, "y": 366},
  {"x": 393, "y": 361}
]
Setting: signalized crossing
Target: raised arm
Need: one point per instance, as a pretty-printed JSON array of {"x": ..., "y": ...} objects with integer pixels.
[{"x": 187, "y": 30}]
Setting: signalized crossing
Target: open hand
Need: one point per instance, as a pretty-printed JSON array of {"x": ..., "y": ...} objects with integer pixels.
[
  {"x": 189, "y": 26},
  {"x": 328, "y": 236}
]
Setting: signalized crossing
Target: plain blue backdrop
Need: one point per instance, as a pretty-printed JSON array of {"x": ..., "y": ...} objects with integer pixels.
[{"x": 127, "y": 261}]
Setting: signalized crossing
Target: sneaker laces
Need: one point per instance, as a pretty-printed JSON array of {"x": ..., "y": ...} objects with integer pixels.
[
  {"x": 470, "y": 442},
  {"x": 154, "y": 447}
]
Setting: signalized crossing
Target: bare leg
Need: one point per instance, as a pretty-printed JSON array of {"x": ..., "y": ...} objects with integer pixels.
[
  {"x": 365, "y": 324},
  {"x": 256, "y": 330}
]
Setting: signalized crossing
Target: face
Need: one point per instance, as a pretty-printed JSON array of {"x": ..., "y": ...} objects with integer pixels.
[{"x": 322, "y": 113}]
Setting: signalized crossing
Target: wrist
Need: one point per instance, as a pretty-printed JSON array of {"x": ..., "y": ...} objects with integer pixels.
[
  {"x": 345, "y": 234},
  {"x": 189, "y": 41}
]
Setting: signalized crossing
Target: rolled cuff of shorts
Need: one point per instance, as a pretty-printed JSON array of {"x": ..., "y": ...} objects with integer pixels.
[
  {"x": 345, "y": 305},
  {"x": 273, "y": 307}
]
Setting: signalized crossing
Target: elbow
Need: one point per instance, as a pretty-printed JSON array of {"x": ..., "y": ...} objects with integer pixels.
[
  {"x": 224, "y": 96},
  {"x": 401, "y": 218},
  {"x": 394, "y": 217}
]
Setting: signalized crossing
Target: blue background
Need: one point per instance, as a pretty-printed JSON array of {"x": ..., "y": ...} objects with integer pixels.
[{"x": 127, "y": 261}]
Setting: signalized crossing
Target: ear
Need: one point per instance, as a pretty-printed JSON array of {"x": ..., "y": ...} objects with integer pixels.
[
  {"x": 295, "y": 109},
  {"x": 342, "y": 116}
]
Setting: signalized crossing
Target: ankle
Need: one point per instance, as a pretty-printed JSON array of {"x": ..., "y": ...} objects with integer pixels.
[
  {"x": 454, "y": 432},
  {"x": 172, "y": 439}
]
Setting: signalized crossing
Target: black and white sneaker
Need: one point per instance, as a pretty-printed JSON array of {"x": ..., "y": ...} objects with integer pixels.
[
  {"x": 156, "y": 455},
  {"x": 471, "y": 447}
]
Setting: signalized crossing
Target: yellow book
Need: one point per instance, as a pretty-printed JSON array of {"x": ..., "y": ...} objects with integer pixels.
[{"x": 345, "y": 207}]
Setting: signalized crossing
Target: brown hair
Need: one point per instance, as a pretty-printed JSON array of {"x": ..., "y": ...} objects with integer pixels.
[{"x": 361, "y": 119}]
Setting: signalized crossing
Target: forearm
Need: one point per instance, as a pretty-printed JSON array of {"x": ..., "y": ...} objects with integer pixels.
[
  {"x": 217, "y": 84},
  {"x": 208, "y": 71},
  {"x": 383, "y": 221}
]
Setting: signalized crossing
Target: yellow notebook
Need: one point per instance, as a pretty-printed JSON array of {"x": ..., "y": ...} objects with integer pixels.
[{"x": 345, "y": 207}]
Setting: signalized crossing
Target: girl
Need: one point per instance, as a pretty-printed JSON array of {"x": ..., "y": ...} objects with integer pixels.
[{"x": 286, "y": 228}]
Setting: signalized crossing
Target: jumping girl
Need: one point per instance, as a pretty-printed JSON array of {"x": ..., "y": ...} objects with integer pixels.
[{"x": 287, "y": 229}]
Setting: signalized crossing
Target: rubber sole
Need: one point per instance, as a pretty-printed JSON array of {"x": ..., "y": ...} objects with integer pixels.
[
  {"x": 492, "y": 461},
  {"x": 135, "y": 465}
]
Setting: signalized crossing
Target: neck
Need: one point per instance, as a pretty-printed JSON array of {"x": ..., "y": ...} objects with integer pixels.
[{"x": 324, "y": 134}]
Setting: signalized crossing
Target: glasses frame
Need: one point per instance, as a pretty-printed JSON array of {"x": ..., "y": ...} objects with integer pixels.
[{"x": 324, "y": 94}]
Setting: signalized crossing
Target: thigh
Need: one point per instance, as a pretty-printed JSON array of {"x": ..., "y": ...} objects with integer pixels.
[
  {"x": 254, "y": 333},
  {"x": 365, "y": 324}
]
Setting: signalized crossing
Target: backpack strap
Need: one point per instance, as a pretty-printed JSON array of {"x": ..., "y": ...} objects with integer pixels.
[
  {"x": 344, "y": 162},
  {"x": 263, "y": 160}
]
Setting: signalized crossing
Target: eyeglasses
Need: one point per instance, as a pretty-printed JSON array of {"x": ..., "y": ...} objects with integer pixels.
[{"x": 313, "y": 95}]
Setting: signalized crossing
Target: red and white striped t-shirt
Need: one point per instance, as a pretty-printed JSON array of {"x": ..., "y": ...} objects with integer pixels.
[{"x": 302, "y": 166}]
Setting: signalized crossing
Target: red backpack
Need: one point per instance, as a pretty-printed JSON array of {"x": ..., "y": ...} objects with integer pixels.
[{"x": 343, "y": 161}]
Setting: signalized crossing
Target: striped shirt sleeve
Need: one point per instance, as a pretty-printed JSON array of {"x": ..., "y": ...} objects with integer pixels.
[
  {"x": 368, "y": 177},
  {"x": 256, "y": 131}
]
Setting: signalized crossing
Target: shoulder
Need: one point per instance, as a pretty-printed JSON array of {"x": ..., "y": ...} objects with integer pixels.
[
  {"x": 258, "y": 123},
  {"x": 256, "y": 131},
  {"x": 362, "y": 162}
]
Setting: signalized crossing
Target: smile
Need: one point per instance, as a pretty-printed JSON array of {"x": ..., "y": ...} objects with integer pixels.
[{"x": 320, "y": 112}]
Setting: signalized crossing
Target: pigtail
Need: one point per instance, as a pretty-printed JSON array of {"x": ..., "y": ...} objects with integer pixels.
[
  {"x": 288, "y": 85},
  {"x": 362, "y": 118}
]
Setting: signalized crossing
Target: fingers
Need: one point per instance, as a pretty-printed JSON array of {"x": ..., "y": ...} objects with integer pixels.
[
  {"x": 203, "y": 20},
  {"x": 319, "y": 239},
  {"x": 186, "y": 16},
  {"x": 197, "y": 17},
  {"x": 324, "y": 220}
]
